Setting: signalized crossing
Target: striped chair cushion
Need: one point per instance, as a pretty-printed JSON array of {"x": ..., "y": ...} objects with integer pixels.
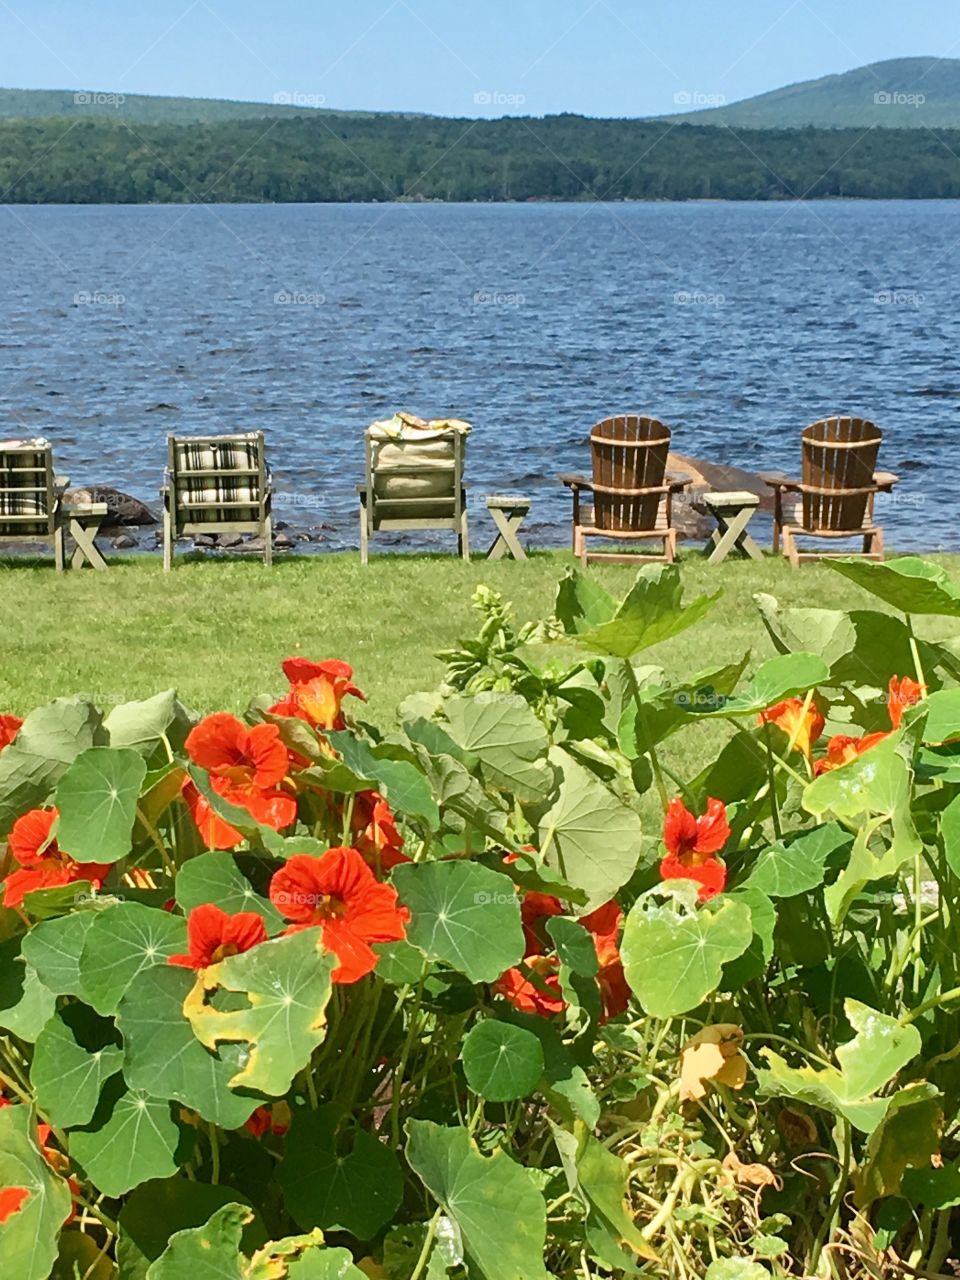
[
  {"x": 22, "y": 474},
  {"x": 200, "y": 497}
]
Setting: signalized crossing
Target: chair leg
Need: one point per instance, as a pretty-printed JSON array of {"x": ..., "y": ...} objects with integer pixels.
[
  {"x": 581, "y": 550},
  {"x": 167, "y": 541},
  {"x": 464, "y": 539},
  {"x": 59, "y": 550},
  {"x": 268, "y": 541},
  {"x": 670, "y": 546},
  {"x": 364, "y": 536},
  {"x": 790, "y": 549},
  {"x": 876, "y": 548}
]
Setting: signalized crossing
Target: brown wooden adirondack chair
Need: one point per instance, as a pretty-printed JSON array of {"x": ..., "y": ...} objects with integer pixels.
[
  {"x": 837, "y": 491},
  {"x": 632, "y": 495}
]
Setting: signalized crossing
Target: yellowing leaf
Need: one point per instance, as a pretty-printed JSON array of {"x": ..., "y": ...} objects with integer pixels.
[
  {"x": 713, "y": 1054},
  {"x": 286, "y": 983},
  {"x": 749, "y": 1175}
]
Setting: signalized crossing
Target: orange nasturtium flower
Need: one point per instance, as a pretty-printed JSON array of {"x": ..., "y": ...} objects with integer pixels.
[
  {"x": 316, "y": 691},
  {"x": 340, "y": 895},
  {"x": 604, "y": 924},
  {"x": 692, "y": 844},
  {"x": 246, "y": 766},
  {"x": 12, "y": 1200},
  {"x": 214, "y": 934},
  {"x": 842, "y": 749},
  {"x": 801, "y": 726},
  {"x": 375, "y": 833},
  {"x": 9, "y": 728},
  {"x": 44, "y": 865},
  {"x": 215, "y": 832},
  {"x": 902, "y": 693}
]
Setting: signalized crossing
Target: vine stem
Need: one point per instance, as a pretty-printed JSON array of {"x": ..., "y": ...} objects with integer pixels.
[
  {"x": 833, "y": 1214},
  {"x": 427, "y": 1246},
  {"x": 935, "y": 1002}
]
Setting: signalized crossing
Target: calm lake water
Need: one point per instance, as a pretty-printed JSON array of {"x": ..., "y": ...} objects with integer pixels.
[{"x": 737, "y": 324}]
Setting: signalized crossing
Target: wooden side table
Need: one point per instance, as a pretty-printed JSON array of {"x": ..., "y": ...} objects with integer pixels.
[
  {"x": 83, "y": 524},
  {"x": 509, "y": 512},
  {"x": 732, "y": 512}
]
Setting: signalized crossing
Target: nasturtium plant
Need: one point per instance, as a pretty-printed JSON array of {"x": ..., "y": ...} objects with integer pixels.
[{"x": 508, "y": 988}]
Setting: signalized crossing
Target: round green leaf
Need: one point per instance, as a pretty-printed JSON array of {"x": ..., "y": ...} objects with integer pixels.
[
  {"x": 66, "y": 1076},
  {"x": 123, "y": 941},
  {"x": 785, "y": 869},
  {"x": 97, "y": 798},
  {"x": 501, "y": 1062},
  {"x": 782, "y": 677},
  {"x": 215, "y": 877},
  {"x": 674, "y": 958},
  {"x": 909, "y": 583},
  {"x": 462, "y": 914},
  {"x": 53, "y": 947},
  {"x": 132, "y": 1138}
]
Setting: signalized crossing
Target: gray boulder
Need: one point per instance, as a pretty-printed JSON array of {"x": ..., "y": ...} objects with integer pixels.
[{"x": 122, "y": 509}]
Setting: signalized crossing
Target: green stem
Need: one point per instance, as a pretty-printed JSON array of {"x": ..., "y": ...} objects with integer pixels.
[
  {"x": 933, "y": 1003},
  {"x": 424, "y": 1258}
]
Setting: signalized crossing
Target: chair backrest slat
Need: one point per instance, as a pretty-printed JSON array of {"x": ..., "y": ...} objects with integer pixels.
[
  {"x": 218, "y": 479},
  {"x": 28, "y": 498},
  {"x": 839, "y": 460},
  {"x": 628, "y": 452}
]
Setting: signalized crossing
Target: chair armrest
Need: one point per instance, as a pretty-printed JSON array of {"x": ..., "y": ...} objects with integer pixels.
[
  {"x": 61, "y": 483},
  {"x": 885, "y": 480},
  {"x": 678, "y": 483},
  {"x": 777, "y": 480},
  {"x": 573, "y": 481}
]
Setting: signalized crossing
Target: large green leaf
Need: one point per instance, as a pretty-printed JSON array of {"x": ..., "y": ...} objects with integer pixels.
[
  {"x": 778, "y": 678},
  {"x": 121, "y": 943},
  {"x": 501, "y": 731},
  {"x": 878, "y": 1050},
  {"x": 942, "y": 723},
  {"x": 950, "y": 834},
  {"x": 160, "y": 1208},
  {"x": 673, "y": 955},
  {"x": 53, "y": 948},
  {"x": 651, "y": 613},
  {"x": 163, "y": 1055},
  {"x": 910, "y": 584},
  {"x": 582, "y": 603},
  {"x": 97, "y": 798},
  {"x": 493, "y": 1202},
  {"x": 401, "y": 782},
  {"x": 207, "y": 1252},
  {"x": 588, "y": 835},
  {"x": 49, "y": 739},
  {"x": 215, "y": 877},
  {"x": 458, "y": 792},
  {"x": 67, "y": 1076},
  {"x": 28, "y": 1238},
  {"x": 797, "y": 865},
  {"x": 327, "y": 1186},
  {"x": 286, "y": 983},
  {"x": 131, "y": 1138},
  {"x": 502, "y": 1062},
  {"x": 149, "y": 726},
  {"x": 462, "y": 914},
  {"x": 877, "y": 786},
  {"x": 660, "y": 712},
  {"x": 906, "y": 1137},
  {"x": 26, "y": 1005}
]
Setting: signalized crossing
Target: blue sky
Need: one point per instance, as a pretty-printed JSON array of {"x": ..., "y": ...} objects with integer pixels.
[{"x": 461, "y": 57}]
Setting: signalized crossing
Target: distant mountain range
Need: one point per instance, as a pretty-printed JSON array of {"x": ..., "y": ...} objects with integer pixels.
[{"x": 903, "y": 93}]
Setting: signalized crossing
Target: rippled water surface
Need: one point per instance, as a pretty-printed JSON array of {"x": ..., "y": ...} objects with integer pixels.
[{"x": 736, "y": 323}]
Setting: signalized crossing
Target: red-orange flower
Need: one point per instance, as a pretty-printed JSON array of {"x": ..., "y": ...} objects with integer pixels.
[
  {"x": 842, "y": 749},
  {"x": 44, "y": 865},
  {"x": 802, "y": 726},
  {"x": 246, "y": 766},
  {"x": 902, "y": 693},
  {"x": 691, "y": 844},
  {"x": 535, "y": 987},
  {"x": 215, "y": 832},
  {"x": 12, "y": 1200},
  {"x": 214, "y": 934},
  {"x": 340, "y": 895},
  {"x": 273, "y": 1119},
  {"x": 375, "y": 832},
  {"x": 9, "y": 728},
  {"x": 604, "y": 924},
  {"x": 317, "y": 690}
]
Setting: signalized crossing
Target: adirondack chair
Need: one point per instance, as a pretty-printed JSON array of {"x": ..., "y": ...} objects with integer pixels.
[
  {"x": 217, "y": 484},
  {"x": 414, "y": 479},
  {"x": 31, "y": 495},
  {"x": 632, "y": 494},
  {"x": 836, "y": 494}
]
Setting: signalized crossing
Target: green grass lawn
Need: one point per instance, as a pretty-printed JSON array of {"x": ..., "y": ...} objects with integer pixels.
[{"x": 218, "y": 629}]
